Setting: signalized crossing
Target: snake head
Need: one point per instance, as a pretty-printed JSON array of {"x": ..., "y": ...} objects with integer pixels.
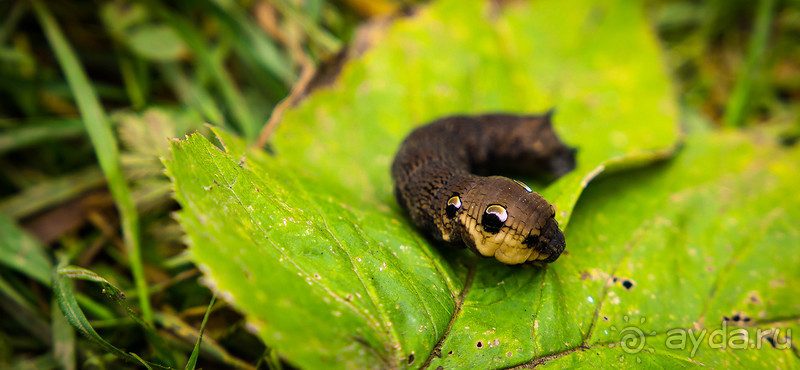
[{"x": 503, "y": 218}]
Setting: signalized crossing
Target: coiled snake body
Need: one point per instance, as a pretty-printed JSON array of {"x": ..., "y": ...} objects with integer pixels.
[{"x": 436, "y": 181}]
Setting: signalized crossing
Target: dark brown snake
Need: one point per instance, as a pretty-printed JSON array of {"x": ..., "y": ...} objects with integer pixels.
[{"x": 436, "y": 181}]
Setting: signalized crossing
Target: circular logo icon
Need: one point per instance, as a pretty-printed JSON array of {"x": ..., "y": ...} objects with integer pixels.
[{"x": 632, "y": 339}]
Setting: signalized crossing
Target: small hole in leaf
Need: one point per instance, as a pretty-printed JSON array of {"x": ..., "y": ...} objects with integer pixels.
[
  {"x": 627, "y": 284},
  {"x": 411, "y": 359},
  {"x": 789, "y": 140},
  {"x": 479, "y": 344},
  {"x": 450, "y": 353}
]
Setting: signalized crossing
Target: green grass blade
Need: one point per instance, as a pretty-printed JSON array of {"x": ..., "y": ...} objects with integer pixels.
[
  {"x": 270, "y": 359},
  {"x": 105, "y": 144},
  {"x": 191, "y": 93},
  {"x": 21, "y": 311},
  {"x": 97, "y": 310},
  {"x": 51, "y": 192},
  {"x": 117, "y": 295},
  {"x": 11, "y": 19},
  {"x": 110, "y": 290},
  {"x": 45, "y": 361},
  {"x": 30, "y": 133},
  {"x": 208, "y": 348},
  {"x": 738, "y": 106},
  {"x": 141, "y": 361},
  {"x": 196, "y": 351},
  {"x": 234, "y": 99},
  {"x": 22, "y": 252},
  {"x": 328, "y": 42},
  {"x": 62, "y": 290},
  {"x": 133, "y": 84},
  {"x": 265, "y": 52},
  {"x": 63, "y": 339}
]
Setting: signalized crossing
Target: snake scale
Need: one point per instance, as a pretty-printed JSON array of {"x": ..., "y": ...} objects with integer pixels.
[{"x": 438, "y": 180}]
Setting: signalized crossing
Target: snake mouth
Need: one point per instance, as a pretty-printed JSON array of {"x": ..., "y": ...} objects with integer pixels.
[
  {"x": 551, "y": 242},
  {"x": 546, "y": 245}
]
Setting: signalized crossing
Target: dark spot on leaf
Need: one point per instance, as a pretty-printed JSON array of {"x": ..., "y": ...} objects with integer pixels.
[
  {"x": 411, "y": 359},
  {"x": 479, "y": 344},
  {"x": 615, "y": 280},
  {"x": 789, "y": 140},
  {"x": 740, "y": 317},
  {"x": 449, "y": 353},
  {"x": 270, "y": 149},
  {"x": 627, "y": 284},
  {"x": 726, "y": 318},
  {"x": 605, "y": 318},
  {"x": 440, "y": 368},
  {"x": 771, "y": 341}
]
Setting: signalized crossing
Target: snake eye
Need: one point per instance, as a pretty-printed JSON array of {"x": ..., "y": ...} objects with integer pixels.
[
  {"x": 453, "y": 205},
  {"x": 494, "y": 217}
]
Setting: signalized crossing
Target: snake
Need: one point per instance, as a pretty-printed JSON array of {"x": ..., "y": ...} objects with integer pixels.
[{"x": 442, "y": 176}]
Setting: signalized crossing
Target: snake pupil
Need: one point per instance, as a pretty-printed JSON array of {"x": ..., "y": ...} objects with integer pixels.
[
  {"x": 453, "y": 205},
  {"x": 494, "y": 218}
]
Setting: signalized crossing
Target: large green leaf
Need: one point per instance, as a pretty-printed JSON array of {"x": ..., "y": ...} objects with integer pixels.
[
  {"x": 597, "y": 64},
  {"x": 682, "y": 246},
  {"x": 311, "y": 246},
  {"x": 705, "y": 240}
]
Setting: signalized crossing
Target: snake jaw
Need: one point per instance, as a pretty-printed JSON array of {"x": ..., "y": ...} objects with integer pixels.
[{"x": 551, "y": 241}]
